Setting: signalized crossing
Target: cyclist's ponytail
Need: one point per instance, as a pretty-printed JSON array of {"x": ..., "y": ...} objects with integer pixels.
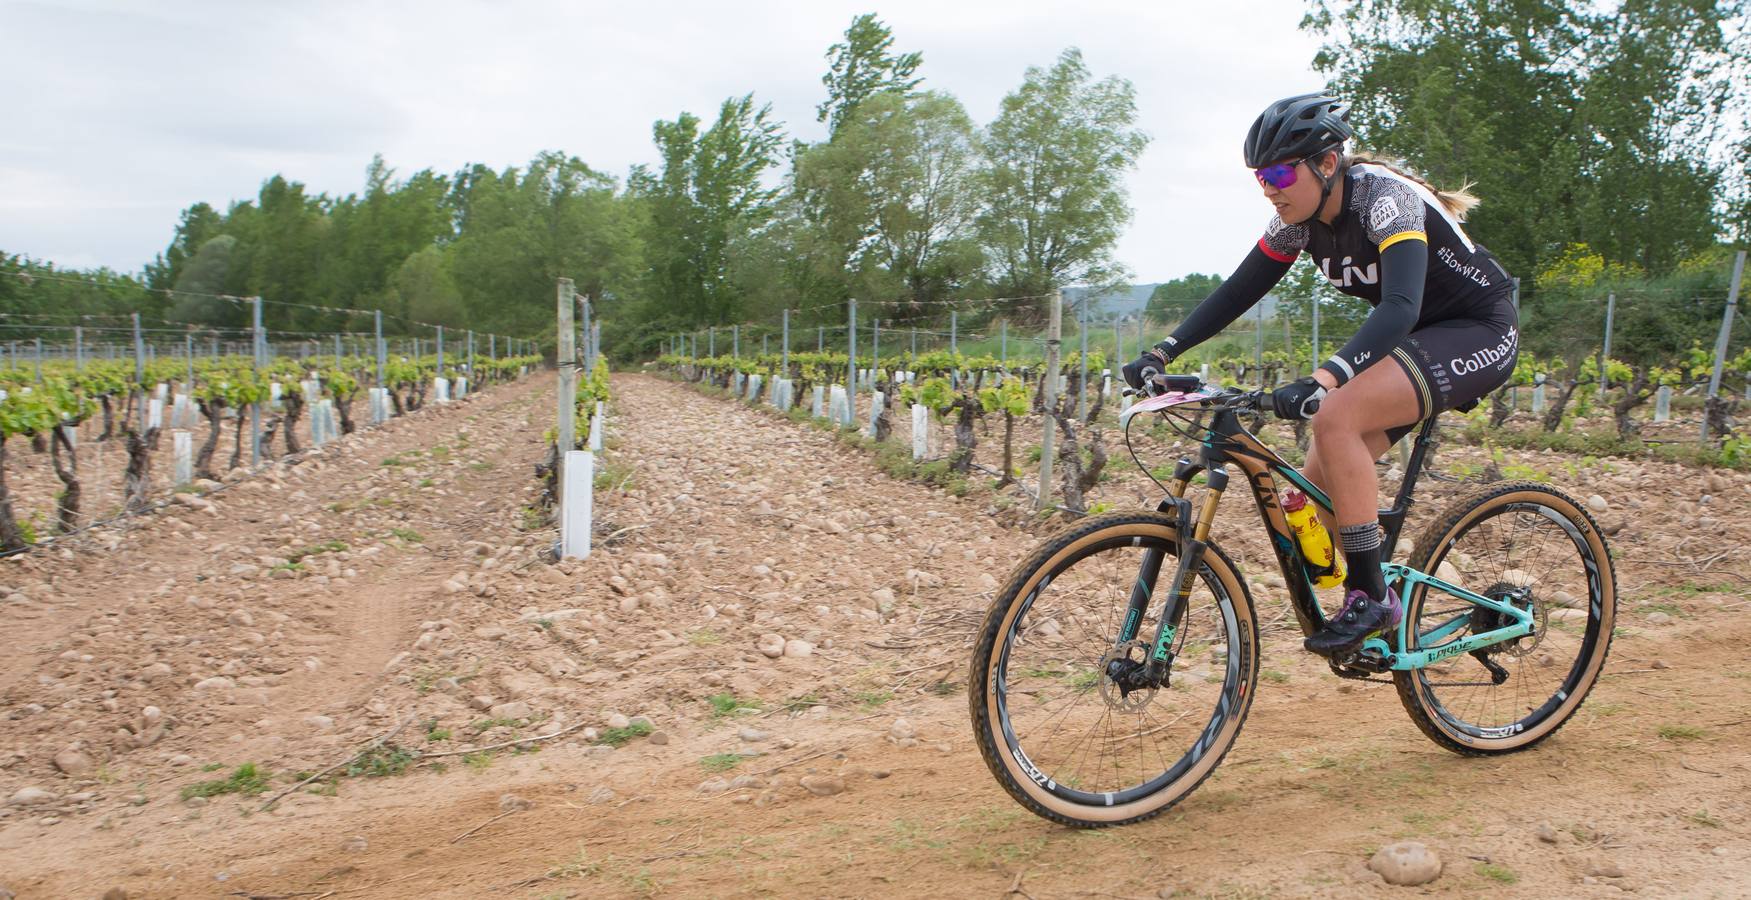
[{"x": 1457, "y": 202}]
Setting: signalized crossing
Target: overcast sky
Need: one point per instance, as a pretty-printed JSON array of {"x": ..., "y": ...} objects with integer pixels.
[{"x": 119, "y": 115}]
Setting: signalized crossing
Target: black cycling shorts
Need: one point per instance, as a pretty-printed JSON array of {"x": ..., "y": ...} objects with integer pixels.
[{"x": 1455, "y": 363}]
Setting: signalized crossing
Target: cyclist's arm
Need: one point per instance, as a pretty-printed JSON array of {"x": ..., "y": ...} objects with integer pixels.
[
  {"x": 1402, "y": 269},
  {"x": 1258, "y": 273},
  {"x": 1395, "y": 224}
]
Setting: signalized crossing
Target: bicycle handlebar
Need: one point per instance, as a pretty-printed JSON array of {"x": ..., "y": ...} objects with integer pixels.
[{"x": 1230, "y": 398}]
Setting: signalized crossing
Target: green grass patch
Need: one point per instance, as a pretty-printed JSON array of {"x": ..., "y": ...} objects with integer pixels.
[
  {"x": 720, "y": 762},
  {"x": 873, "y": 699},
  {"x": 1495, "y": 872},
  {"x": 612, "y": 474},
  {"x": 408, "y": 535},
  {"x": 1705, "y": 818},
  {"x": 314, "y": 549},
  {"x": 1681, "y": 733},
  {"x": 704, "y": 637},
  {"x": 381, "y": 761},
  {"x": 246, "y": 779},
  {"x": 1515, "y": 472},
  {"x": 615, "y": 737},
  {"x": 729, "y": 704},
  {"x": 478, "y": 761},
  {"x": 1275, "y": 677}
]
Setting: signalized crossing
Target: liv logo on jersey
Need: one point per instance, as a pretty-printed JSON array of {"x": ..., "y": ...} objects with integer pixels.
[
  {"x": 1370, "y": 275},
  {"x": 1499, "y": 355}
]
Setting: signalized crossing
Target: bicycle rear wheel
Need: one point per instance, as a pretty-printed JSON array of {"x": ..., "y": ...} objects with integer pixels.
[
  {"x": 1534, "y": 546},
  {"x": 1055, "y": 728}
]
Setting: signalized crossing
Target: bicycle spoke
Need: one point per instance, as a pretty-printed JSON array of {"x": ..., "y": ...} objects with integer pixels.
[
  {"x": 1512, "y": 552},
  {"x": 1093, "y": 739}
]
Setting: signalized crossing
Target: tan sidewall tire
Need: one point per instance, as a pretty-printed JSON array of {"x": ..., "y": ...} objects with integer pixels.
[
  {"x": 982, "y": 695},
  {"x": 1446, "y": 528}
]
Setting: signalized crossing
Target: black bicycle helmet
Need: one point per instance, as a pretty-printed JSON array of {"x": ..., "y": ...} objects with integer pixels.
[{"x": 1296, "y": 128}]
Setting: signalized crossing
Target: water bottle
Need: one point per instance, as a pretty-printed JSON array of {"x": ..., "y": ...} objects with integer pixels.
[{"x": 1324, "y": 565}]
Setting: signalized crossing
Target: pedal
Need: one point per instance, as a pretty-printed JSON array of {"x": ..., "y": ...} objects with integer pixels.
[{"x": 1361, "y": 665}]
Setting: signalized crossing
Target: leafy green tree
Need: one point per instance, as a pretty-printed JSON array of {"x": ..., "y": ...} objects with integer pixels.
[
  {"x": 862, "y": 66},
  {"x": 1578, "y": 122},
  {"x": 522, "y": 230},
  {"x": 370, "y": 235},
  {"x": 894, "y": 199},
  {"x": 1172, "y": 300},
  {"x": 200, "y": 278},
  {"x": 1056, "y": 159},
  {"x": 35, "y": 288},
  {"x": 199, "y": 223},
  {"x": 426, "y": 292},
  {"x": 709, "y": 196}
]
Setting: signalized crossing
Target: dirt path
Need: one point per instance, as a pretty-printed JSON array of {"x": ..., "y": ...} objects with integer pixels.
[{"x": 736, "y": 529}]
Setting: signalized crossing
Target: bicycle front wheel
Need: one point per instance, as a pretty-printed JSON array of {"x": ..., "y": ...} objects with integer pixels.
[
  {"x": 1056, "y": 729},
  {"x": 1532, "y": 546}
]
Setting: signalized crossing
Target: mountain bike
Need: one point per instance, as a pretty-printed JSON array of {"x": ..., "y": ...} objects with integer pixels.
[{"x": 1103, "y": 693}]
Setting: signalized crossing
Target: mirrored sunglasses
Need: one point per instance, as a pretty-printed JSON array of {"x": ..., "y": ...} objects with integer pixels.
[{"x": 1279, "y": 176}]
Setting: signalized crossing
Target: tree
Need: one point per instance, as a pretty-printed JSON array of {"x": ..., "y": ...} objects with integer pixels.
[
  {"x": 861, "y": 67},
  {"x": 199, "y": 224},
  {"x": 1172, "y": 300},
  {"x": 1578, "y": 122},
  {"x": 1056, "y": 158},
  {"x": 709, "y": 197},
  {"x": 203, "y": 275},
  {"x": 893, "y": 199},
  {"x": 426, "y": 292}
]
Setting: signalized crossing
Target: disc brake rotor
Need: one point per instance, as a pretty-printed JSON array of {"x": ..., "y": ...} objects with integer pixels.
[
  {"x": 1118, "y": 697},
  {"x": 1520, "y": 597}
]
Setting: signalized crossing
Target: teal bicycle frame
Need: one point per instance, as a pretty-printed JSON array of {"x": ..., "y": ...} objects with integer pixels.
[
  {"x": 1226, "y": 441},
  {"x": 1405, "y": 660}
]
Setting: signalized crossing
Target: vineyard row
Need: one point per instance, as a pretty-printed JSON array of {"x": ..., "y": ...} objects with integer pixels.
[{"x": 262, "y": 399}]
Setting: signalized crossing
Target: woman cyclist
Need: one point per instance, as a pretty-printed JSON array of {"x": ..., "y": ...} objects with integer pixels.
[{"x": 1442, "y": 312}]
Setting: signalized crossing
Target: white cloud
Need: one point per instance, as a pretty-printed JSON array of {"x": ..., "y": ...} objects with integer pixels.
[{"x": 128, "y": 113}]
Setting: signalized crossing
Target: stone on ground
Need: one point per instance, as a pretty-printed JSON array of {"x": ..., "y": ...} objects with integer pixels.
[{"x": 1406, "y": 863}]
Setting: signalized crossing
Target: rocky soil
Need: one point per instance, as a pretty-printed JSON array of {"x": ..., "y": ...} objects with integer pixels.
[{"x": 755, "y": 686}]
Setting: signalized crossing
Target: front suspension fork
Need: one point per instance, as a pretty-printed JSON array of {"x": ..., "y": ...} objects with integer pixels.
[{"x": 1190, "y": 558}]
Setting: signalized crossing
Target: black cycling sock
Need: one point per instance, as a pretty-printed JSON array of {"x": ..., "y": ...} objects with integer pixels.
[{"x": 1362, "y": 556}]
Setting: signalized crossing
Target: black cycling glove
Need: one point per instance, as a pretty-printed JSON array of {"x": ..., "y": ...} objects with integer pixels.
[
  {"x": 1299, "y": 399},
  {"x": 1154, "y": 359}
]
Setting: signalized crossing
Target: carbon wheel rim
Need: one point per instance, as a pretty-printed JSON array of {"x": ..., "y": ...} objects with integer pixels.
[{"x": 1047, "y": 697}]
